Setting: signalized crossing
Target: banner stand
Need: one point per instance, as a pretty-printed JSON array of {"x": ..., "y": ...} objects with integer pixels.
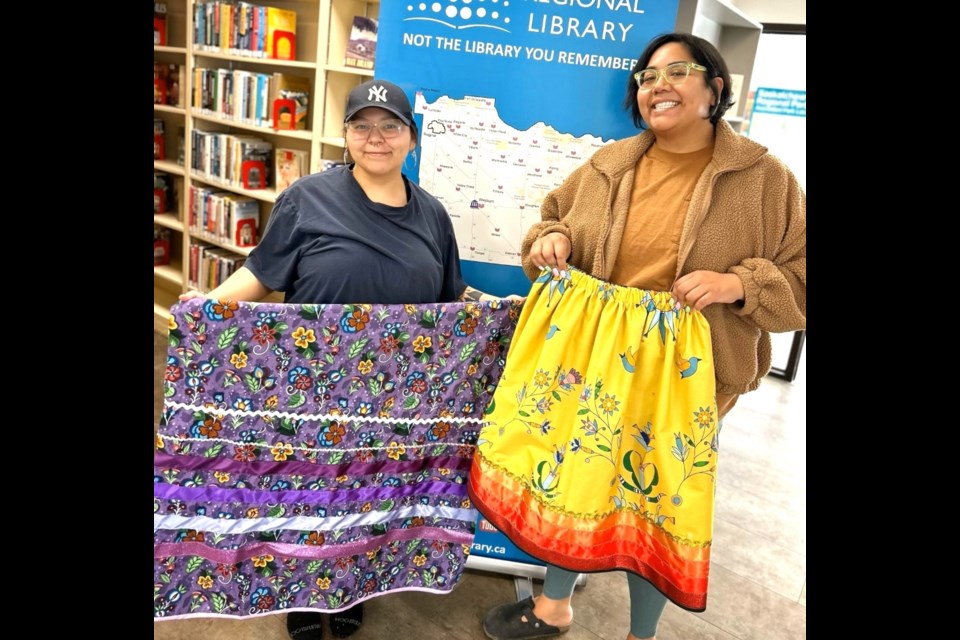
[
  {"x": 492, "y": 551},
  {"x": 523, "y": 573}
]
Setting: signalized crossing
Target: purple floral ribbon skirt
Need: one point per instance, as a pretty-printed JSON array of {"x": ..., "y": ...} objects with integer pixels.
[{"x": 313, "y": 456}]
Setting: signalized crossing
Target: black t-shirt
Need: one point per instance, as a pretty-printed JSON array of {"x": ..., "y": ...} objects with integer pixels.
[{"x": 327, "y": 243}]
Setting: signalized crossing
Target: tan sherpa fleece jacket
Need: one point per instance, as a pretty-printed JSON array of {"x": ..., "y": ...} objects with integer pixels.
[{"x": 747, "y": 216}]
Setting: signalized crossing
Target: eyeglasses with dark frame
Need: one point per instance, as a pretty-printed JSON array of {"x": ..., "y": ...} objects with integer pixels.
[
  {"x": 675, "y": 73},
  {"x": 388, "y": 128}
]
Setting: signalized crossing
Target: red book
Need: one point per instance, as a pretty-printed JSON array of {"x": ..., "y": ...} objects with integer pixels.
[
  {"x": 159, "y": 23},
  {"x": 159, "y": 91}
]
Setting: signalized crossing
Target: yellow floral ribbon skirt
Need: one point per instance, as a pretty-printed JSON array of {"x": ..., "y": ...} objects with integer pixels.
[{"x": 599, "y": 449}]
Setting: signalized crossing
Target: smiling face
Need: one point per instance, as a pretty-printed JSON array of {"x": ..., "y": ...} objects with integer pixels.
[
  {"x": 375, "y": 154},
  {"x": 678, "y": 112}
]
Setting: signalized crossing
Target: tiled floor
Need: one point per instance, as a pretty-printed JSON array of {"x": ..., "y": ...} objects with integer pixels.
[{"x": 759, "y": 558}]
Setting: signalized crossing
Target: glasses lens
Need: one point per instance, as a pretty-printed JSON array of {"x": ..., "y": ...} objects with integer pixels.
[
  {"x": 676, "y": 73},
  {"x": 646, "y": 78},
  {"x": 391, "y": 128},
  {"x": 388, "y": 128}
]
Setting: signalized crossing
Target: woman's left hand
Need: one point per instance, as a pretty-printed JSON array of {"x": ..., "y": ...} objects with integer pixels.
[{"x": 699, "y": 289}]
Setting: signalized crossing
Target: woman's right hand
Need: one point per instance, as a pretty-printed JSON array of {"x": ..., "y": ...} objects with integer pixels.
[
  {"x": 188, "y": 295},
  {"x": 552, "y": 250}
]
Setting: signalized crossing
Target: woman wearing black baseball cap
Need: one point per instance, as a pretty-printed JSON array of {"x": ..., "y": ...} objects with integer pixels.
[
  {"x": 361, "y": 232},
  {"x": 357, "y": 233}
]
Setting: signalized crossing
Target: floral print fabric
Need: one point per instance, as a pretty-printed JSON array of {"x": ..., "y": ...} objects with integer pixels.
[
  {"x": 599, "y": 449},
  {"x": 312, "y": 456}
]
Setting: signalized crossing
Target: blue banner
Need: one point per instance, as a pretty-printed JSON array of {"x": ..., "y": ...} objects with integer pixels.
[{"x": 563, "y": 62}]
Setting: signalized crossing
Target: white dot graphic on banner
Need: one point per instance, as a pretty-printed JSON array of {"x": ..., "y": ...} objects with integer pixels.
[{"x": 460, "y": 17}]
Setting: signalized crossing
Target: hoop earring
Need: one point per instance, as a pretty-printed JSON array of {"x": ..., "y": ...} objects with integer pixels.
[
  {"x": 345, "y": 152},
  {"x": 414, "y": 154}
]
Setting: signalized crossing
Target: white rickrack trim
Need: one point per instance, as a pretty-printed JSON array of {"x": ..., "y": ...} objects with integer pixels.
[
  {"x": 338, "y": 417},
  {"x": 329, "y": 450}
]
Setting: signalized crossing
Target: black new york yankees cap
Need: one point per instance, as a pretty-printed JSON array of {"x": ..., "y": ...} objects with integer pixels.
[{"x": 379, "y": 93}]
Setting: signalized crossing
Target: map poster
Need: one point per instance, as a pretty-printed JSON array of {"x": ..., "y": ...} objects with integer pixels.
[{"x": 511, "y": 96}]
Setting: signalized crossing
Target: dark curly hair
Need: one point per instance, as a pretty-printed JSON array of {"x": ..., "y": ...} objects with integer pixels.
[{"x": 703, "y": 53}]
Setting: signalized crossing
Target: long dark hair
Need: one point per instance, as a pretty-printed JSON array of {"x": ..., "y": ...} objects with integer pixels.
[{"x": 703, "y": 53}]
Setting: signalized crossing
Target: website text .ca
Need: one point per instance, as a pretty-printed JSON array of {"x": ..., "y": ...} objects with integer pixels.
[{"x": 489, "y": 548}]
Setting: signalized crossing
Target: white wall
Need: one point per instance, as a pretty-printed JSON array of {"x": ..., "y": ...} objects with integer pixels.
[
  {"x": 775, "y": 11},
  {"x": 781, "y": 62}
]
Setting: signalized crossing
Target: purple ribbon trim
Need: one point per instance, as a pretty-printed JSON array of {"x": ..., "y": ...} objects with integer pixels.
[
  {"x": 163, "y": 460},
  {"x": 286, "y": 550},
  {"x": 335, "y": 496}
]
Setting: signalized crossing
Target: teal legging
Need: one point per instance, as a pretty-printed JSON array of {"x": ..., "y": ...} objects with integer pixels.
[{"x": 646, "y": 602}]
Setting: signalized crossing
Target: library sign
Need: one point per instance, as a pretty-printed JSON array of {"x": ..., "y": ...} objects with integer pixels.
[{"x": 563, "y": 62}]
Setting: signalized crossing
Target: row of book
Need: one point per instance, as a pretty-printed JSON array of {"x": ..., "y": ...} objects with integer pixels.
[
  {"x": 245, "y": 29},
  {"x": 232, "y": 160},
  {"x": 276, "y": 100},
  {"x": 220, "y": 216},
  {"x": 209, "y": 266}
]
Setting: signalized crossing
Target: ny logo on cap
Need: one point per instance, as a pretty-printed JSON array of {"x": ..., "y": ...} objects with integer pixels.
[{"x": 377, "y": 94}]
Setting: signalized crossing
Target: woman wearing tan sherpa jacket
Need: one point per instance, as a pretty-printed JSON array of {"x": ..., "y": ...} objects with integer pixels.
[
  {"x": 746, "y": 217},
  {"x": 688, "y": 207}
]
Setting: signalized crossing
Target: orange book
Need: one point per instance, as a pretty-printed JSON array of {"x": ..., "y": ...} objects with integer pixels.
[{"x": 281, "y": 34}]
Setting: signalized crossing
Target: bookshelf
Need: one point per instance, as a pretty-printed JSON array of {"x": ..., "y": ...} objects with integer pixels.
[{"x": 322, "y": 31}]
